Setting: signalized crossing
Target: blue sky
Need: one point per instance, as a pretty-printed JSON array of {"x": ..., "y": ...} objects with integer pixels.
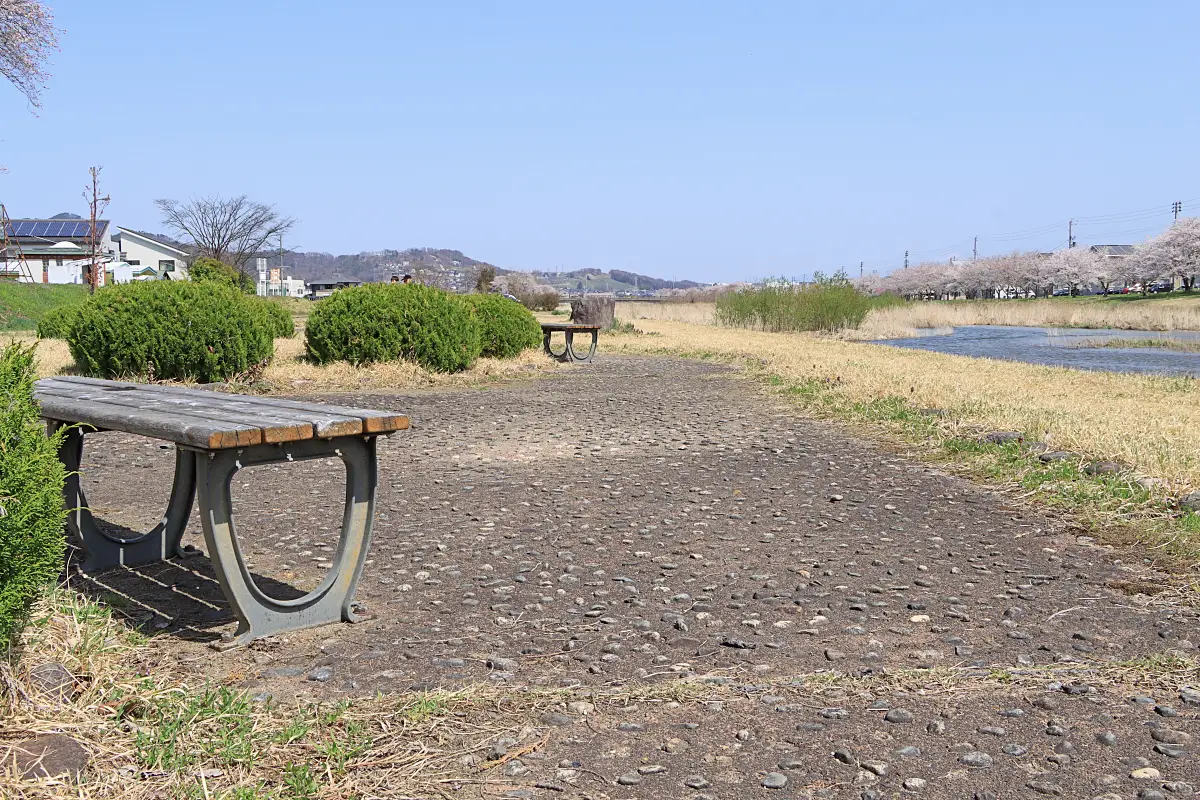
[{"x": 714, "y": 141}]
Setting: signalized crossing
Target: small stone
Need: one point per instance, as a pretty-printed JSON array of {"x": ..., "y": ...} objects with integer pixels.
[
  {"x": 845, "y": 756},
  {"x": 774, "y": 780},
  {"x": 877, "y": 768},
  {"x": 1150, "y": 794},
  {"x": 1190, "y": 502},
  {"x": 1169, "y": 750},
  {"x": 976, "y": 759},
  {"x": 49, "y": 756},
  {"x": 1106, "y": 738},
  {"x": 1104, "y": 468},
  {"x": 1014, "y": 749},
  {"x": 52, "y": 679},
  {"x": 629, "y": 779},
  {"x": 1044, "y": 787},
  {"x": 695, "y": 782},
  {"x": 1146, "y": 774},
  {"x": 1002, "y": 437},
  {"x": 1178, "y": 787},
  {"x": 914, "y": 784},
  {"x": 791, "y": 762},
  {"x": 898, "y": 715},
  {"x": 651, "y": 769},
  {"x": 1168, "y": 736},
  {"x": 937, "y": 727},
  {"x": 908, "y": 751},
  {"x": 321, "y": 674},
  {"x": 834, "y": 655}
]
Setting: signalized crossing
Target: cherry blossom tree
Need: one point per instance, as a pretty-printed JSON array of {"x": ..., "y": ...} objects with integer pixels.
[
  {"x": 1073, "y": 267},
  {"x": 27, "y": 37},
  {"x": 1175, "y": 253},
  {"x": 1147, "y": 264}
]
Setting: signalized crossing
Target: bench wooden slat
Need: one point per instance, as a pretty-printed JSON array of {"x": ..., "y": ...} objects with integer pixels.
[
  {"x": 327, "y": 420},
  {"x": 173, "y": 427},
  {"x": 274, "y": 428},
  {"x": 568, "y": 326}
]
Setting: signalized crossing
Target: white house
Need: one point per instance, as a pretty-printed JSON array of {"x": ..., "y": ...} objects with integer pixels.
[
  {"x": 271, "y": 282},
  {"x": 149, "y": 258},
  {"x": 54, "y": 250}
]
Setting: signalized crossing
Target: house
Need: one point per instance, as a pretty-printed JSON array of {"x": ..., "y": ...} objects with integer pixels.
[
  {"x": 271, "y": 282},
  {"x": 54, "y": 250},
  {"x": 149, "y": 258},
  {"x": 324, "y": 288},
  {"x": 1112, "y": 250}
]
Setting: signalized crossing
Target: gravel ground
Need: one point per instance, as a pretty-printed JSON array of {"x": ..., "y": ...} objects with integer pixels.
[{"x": 643, "y": 520}]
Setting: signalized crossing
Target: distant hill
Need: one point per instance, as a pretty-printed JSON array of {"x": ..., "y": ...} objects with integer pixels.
[{"x": 450, "y": 269}]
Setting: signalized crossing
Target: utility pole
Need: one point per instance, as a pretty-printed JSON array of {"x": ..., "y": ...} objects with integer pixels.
[
  {"x": 1070, "y": 233},
  {"x": 1177, "y": 207},
  {"x": 860, "y": 267},
  {"x": 975, "y": 249},
  {"x": 906, "y": 259}
]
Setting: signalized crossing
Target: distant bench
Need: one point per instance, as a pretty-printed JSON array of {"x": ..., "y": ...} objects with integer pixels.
[
  {"x": 215, "y": 435},
  {"x": 569, "y": 329}
]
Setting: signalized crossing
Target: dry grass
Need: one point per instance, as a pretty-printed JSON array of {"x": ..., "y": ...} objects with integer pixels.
[
  {"x": 1149, "y": 315},
  {"x": 289, "y": 372},
  {"x": 1161, "y": 343},
  {"x": 1150, "y": 422},
  {"x": 693, "y": 313}
]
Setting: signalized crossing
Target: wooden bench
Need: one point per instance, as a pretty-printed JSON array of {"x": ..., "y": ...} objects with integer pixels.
[
  {"x": 215, "y": 435},
  {"x": 569, "y": 329}
]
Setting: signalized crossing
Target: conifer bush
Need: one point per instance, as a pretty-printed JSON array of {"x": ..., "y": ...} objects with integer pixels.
[
  {"x": 31, "y": 502},
  {"x": 56, "y": 323},
  {"x": 277, "y": 319},
  {"x": 506, "y": 326},
  {"x": 394, "y": 322},
  {"x": 170, "y": 330}
]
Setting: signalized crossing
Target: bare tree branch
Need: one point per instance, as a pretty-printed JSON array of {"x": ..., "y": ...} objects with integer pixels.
[
  {"x": 232, "y": 230},
  {"x": 27, "y": 37}
]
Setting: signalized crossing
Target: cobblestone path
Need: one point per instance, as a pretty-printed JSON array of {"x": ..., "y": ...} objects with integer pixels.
[{"x": 641, "y": 521}]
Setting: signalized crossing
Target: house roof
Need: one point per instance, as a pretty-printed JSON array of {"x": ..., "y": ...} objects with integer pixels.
[
  {"x": 1112, "y": 249},
  {"x": 123, "y": 232},
  {"x": 52, "y": 230}
]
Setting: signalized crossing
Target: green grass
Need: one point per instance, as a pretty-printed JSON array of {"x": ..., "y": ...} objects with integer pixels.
[{"x": 23, "y": 304}]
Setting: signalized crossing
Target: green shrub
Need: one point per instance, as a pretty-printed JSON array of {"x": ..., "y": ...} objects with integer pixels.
[
  {"x": 826, "y": 304},
  {"x": 396, "y": 321},
  {"x": 170, "y": 330},
  {"x": 56, "y": 323},
  {"x": 209, "y": 270},
  {"x": 276, "y": 318},
  {"x": 31, "y": 502},
  {"x": 506, "y": 326}
]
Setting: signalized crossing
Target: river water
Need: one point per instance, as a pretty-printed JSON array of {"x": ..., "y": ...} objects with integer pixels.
[{"x": 1061, "y": 347}]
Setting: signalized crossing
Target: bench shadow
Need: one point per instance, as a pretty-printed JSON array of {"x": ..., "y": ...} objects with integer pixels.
[{"x": 179, "y": 597}]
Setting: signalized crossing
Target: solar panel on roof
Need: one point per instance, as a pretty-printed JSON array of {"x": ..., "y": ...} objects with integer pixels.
[
  {"x": 55, "y": 229},
  {"x": 24, "y": 228},
  {"x": 81, "y": 228},
  {"x": 41, "y": 229}
]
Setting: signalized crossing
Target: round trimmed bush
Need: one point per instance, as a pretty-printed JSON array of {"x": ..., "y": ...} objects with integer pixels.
[
  {"x": 505, "y": 325},
  {"x": 276, "y": 318},
  {"x": 392, "y": 322},
  {"x": 56, "y": 323},
  {"x": 170, "y": 330}
]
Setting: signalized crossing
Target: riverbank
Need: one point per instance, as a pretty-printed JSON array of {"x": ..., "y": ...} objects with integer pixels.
[
  {"x": 1144, "y": 429},
  {"x": 1121, "y": 312}
]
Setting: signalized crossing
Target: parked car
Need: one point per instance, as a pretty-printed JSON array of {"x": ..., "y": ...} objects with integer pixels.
[
  {"x": 1161, "y": 286},
  {"x": 1061, "y": 292}
]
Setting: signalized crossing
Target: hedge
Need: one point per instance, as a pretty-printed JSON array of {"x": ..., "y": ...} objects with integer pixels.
[
  {"x": 506, "y": 326},
  {"x": 56, "y": 323},
  {"x": 391, "y": 322},
  {"x": 31, "y": 503},
  {"x": 276, "y": 318},
  {"x": 170, "y": 330},
  {"x": 210, "y": 270}
]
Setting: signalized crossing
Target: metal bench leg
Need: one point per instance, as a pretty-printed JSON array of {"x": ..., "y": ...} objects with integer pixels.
[
  {"x": 259, "y": 614},
  {"x": 103, "y": 550},
  {"x": 574, "y": 354},
  {"x": 565, "y": 355}
]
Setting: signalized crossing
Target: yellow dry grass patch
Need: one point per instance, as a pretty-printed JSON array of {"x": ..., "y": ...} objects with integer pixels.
[
  {"x": 290, "y": 373},
  {"x": 1152, "y": 423},
  {"x": 1148, "y": 315}
]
